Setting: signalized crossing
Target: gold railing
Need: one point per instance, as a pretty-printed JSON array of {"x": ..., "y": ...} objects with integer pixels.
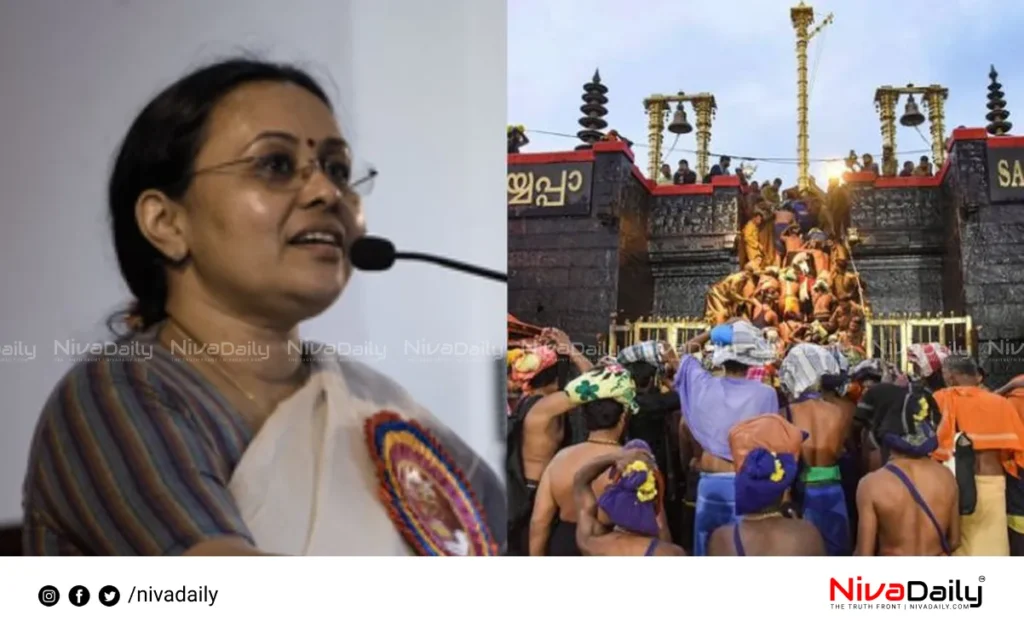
[
  {"x": 887, "y": 336},
  {"x": 674, "y": 331}
]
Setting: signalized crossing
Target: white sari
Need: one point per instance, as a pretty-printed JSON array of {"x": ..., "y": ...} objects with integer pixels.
[{"x": 307, "y": 485}]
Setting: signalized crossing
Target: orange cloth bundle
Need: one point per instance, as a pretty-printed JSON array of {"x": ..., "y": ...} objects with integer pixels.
[
  {"x": 771, "y": 432},
  {"x": 990, "y": 421}
]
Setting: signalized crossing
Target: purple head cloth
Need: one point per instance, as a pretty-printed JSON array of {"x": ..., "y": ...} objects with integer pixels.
[
  {"x": 620, "y": 502},
  {"x": 755, "y": 488},
  {"x": 637, "y": 444}
]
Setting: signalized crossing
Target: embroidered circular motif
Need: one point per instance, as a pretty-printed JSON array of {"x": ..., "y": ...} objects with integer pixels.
[{"x": 427, "y": 496}]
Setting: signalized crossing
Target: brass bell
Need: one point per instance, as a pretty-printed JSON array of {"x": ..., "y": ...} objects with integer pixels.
[
  {"x": 679, "y": 124},
  {"x": 912, "y": 117}
]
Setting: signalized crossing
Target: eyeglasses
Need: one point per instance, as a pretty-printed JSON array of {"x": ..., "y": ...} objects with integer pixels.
[{"x": 281, "y": 171}]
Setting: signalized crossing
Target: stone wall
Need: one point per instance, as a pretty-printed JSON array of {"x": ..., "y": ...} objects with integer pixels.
[
  {"x": 692, "y": 244},
  {"x": 991, "y": 263},
  {"x": 575, "y": 272},
  {"x": 901, "y": 253},
  {"x": 952, "y": 269},
  {"x": 563, "y": 272},
  {"x": 622, "y": 201}
]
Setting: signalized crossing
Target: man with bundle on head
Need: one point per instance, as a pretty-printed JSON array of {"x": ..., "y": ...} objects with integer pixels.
[
  {"x": 821, "y": 482},
  {"x": 713, "y": 405},
  {"x": 910, "y": 506},
  {"x": 654, "y": 359},
  {"x": 534, "y": 434},
  {"x": 984, "y": 428},
  {"x": 927, "y": 359},
  {"x": 606, "y": 396},
  {"x": 646, "y": 362},
  {"x": 656, "y": 421},
  {"x": 627, "y": 519},
  {"x": 766, "y": 452}
]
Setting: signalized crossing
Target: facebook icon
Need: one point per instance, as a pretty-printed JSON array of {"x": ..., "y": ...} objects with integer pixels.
[{"x": 79, "y": 596}]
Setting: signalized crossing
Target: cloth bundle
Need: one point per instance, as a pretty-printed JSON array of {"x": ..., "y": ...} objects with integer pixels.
[
  {"x": 530, "y": 362},
  {"x": 771, "y": 432},
  {"x": 608, "y": 382},
  {"x": 763, "y": 479},
  {"x": 927, "y": 357},
  {"x": 804, "y": 367},
  {"x": 647, "y": 351},
  {"x": 870, "y": 369},
  {"x": 902, "y": 418},
  {"x": 740, "y": 342},
  {"x": 757, "y": 374},
  {"x": 631, "y": 500}
]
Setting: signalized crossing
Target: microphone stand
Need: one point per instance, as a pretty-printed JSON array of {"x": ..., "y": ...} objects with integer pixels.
[{"x": 454, "y": 265}]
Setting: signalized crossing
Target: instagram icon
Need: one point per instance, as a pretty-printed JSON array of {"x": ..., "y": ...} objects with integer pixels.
[{"x": 49, "y": 596}]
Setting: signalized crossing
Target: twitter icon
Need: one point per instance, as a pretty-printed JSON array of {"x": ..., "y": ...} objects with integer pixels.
[{"x": 109, "y": 596}]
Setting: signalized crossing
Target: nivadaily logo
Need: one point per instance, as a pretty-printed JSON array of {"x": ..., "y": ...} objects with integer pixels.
[{"x": 911, "y": 594}]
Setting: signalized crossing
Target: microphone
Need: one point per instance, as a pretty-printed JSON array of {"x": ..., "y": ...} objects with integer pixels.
[{"x": 372, "y": 253}]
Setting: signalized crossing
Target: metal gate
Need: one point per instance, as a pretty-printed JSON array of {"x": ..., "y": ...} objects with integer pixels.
[
  {"x": 886, "y": 336},
  {"x": 889, "y": 336},
  {"x": 675, "y": 332}
]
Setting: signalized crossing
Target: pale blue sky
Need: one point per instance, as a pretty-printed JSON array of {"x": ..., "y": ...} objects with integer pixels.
[{"x": 743, "y": 52}]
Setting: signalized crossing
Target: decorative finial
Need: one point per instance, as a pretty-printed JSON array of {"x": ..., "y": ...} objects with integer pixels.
[
  {"x": 997, "y": 114},
  {"x": 593, "y": 111}
]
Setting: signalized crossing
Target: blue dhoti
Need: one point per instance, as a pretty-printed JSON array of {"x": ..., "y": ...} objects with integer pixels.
[
  {"x": 851, "y": 474},
  {"x": 716, "y": 506},
  {"x": 825, "y": 507}
]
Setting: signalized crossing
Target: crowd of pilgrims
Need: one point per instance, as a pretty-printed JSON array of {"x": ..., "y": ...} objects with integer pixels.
[
  {"x": 683, "y": 175},
  {"x": 697, "y": 451}
]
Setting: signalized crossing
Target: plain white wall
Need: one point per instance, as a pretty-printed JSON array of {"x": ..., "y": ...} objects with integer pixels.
[{"x": 421, "y": 92}]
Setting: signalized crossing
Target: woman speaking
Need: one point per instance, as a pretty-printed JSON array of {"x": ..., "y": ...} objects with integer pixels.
[{"x": 233, "y": 202}]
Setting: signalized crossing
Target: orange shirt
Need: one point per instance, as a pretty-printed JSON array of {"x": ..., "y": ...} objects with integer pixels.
[
  {"x": 1016, "y": 398},
  {"x": 990, "y": 421}
]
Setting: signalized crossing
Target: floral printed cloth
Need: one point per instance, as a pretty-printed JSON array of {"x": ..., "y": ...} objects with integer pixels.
[
  {"x": 610, "y": 382},
  {"x": 530, "y": 362}
]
